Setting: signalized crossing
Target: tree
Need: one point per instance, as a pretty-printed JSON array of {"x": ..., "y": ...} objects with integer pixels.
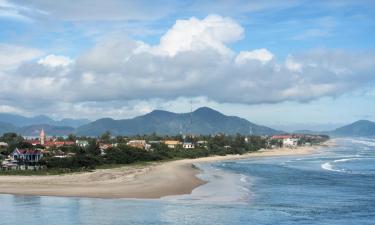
[
  {"x": 106, "y": 137},
  {"x": 71, "y": 137}
]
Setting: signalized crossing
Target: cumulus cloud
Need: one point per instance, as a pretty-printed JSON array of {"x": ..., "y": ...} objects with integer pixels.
[
  {"x": 262, "y": 55},
  {"x": 55, "y": 61},
  {"x": 12, "y": 56},
  {"x": 194, "y": 35},
  {"x": 192, "y": 62}
]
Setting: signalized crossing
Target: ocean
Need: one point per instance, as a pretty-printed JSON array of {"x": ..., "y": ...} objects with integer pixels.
[{"x": 334, "y": 186}]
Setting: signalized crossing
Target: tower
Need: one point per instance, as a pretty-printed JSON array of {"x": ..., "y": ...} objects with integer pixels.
[{"x": 42, "y": 137}]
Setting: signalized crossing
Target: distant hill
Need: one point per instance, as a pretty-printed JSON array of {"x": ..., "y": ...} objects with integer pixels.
[
  {"x": 312, "y": 132},
  {"x": 50, "y": 130},
  {"x": 7, "y": 127},
  {"x": 204, "y": 121},
  {"x": 20, "y": 121},
  {"x": 358, "y": 128}
]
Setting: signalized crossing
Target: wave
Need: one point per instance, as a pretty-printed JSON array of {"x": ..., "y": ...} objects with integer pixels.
[
  {"x": 330, "y": 167},
  {"x": 368, "y": 142},
  {"x": 345, "y": 160},
  {"x": 223, "y": 186}
]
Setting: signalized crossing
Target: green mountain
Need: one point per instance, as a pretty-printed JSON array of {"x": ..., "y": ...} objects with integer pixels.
[
  {"x": 358, "y": 128},
  {"x": 202, "y": 121},
  {"x": 20, "y": 121},
  {"x": 50, "y": 130},
  {"x": 7, "y": 127}
]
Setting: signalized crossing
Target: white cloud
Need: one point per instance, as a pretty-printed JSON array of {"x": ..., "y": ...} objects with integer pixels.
[
  {"x": 262, "y": 55},
  {"x": 12, "y": 56},
  {"x": 119, "y": 71},
  {"x": 55, "y": 61},
  {"x": 212, "y": 32},
  {"x": 293, "y": 65}
]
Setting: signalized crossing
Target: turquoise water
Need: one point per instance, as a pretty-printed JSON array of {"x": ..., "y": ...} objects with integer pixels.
[{"x": 336, "y": 186}]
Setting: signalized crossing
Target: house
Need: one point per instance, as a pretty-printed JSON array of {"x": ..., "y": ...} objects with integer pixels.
[
  {"x": 3, "y": 145},
  {"x": 139, "y": 144},
  {"x": 82, "y": 143},
  {"x": 26, "y": 156},
  {"x": 9, "y": 164},
  {"x": 104, "y": 146},
  {"x": 290, "y": 142},
  {"x": 188, "y": 145},
  {"x": 172, "y": 143}
]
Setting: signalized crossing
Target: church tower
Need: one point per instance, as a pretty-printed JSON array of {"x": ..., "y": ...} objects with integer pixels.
[{"x": 42, "y": 137}]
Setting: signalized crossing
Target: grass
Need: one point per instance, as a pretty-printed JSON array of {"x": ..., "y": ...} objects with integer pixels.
[
  {"x": 43, "y": 172},
  {"x": 46, "y": 172}
]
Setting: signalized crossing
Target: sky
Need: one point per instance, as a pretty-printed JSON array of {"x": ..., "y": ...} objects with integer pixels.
[{"x": 292, "y": 64}]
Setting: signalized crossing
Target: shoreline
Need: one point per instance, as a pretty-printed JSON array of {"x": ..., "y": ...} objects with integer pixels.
[{"x": 152, "y": 181}]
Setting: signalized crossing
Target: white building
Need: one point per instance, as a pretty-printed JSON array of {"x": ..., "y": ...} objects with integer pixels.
[
  {"x": 290, "y": 142},
  {"x": 3, "y": 144},
  {"x": 82, "y": 143},
  {"x": 188, "y": 145}
]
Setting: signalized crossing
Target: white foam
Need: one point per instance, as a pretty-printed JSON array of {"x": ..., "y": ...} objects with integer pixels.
[
  {"x": 222, "y": 187},
  {"x": 243, "y": 178},
  {"x": 364, "y": 142},
  {"x": 327, "y": 166},
  {"x": 330, "y": 167},
  {"x": 344, "y": 160}
]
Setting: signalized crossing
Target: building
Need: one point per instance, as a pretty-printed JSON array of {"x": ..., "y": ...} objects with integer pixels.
[
  {"x": 26, "y": 156},
  {"x": 142, "y": 144},
  {"x": 3, "y": 145},
  {"x": 82, "y": 143},
  {"x": 290, "y": 142},
  {"x": 48, "y": 143},
  {"x": 172, "y": 143},
  {"x": 188, "y": 145}
]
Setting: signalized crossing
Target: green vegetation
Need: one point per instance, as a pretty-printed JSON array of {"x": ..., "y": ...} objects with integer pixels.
[
  {"x": 73, "y": 158},
  {"x": 78, "y": 159}
]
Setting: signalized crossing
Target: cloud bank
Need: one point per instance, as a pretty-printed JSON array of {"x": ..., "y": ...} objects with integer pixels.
[{"x": 194, "y": 59}]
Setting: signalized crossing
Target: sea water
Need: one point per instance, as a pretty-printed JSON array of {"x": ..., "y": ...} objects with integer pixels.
[{"x": 334, "y": 186}]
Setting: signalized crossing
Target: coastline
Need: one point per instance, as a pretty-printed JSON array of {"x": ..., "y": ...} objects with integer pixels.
[{"x": 143, "y": 182}]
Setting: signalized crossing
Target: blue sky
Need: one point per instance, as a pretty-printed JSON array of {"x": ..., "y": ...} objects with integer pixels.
[{"x": 290, "y": 64}]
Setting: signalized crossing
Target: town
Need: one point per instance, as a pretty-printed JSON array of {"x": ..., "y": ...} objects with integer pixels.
[{"x": 72, "y": 153}]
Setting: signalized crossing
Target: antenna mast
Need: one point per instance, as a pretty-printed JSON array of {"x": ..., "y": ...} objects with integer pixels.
[{"x": 191, "y": 116}]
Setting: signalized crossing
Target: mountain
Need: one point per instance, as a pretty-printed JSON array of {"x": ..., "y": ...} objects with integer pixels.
[
  {"x": 358, "y": 128},
  {"x": 202, "y": 121},
  {"x": 7, "y": 127},
  {"x": 20, "y": 121},
  {"x": 50, "y": 130}
]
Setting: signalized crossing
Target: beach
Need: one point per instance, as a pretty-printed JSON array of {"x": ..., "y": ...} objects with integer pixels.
[{"x": 149, "y": 181}]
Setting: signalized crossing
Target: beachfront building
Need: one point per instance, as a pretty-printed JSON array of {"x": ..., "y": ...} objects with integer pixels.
[
  {"x": 172, "y": 143},
  {"x": 188, "y": 145},
  {"x": 290, "y": 142},
  {"x": 26, "y": 156}
]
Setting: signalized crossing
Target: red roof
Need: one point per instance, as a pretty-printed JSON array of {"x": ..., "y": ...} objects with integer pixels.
[{"x": 282, "y": 136}]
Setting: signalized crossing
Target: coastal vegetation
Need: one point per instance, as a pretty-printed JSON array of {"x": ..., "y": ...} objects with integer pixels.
[{"x": 107, "y": 151}]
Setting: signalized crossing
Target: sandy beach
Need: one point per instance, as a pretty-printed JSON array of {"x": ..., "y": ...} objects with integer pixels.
[{"x": 152, "y": 181}]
